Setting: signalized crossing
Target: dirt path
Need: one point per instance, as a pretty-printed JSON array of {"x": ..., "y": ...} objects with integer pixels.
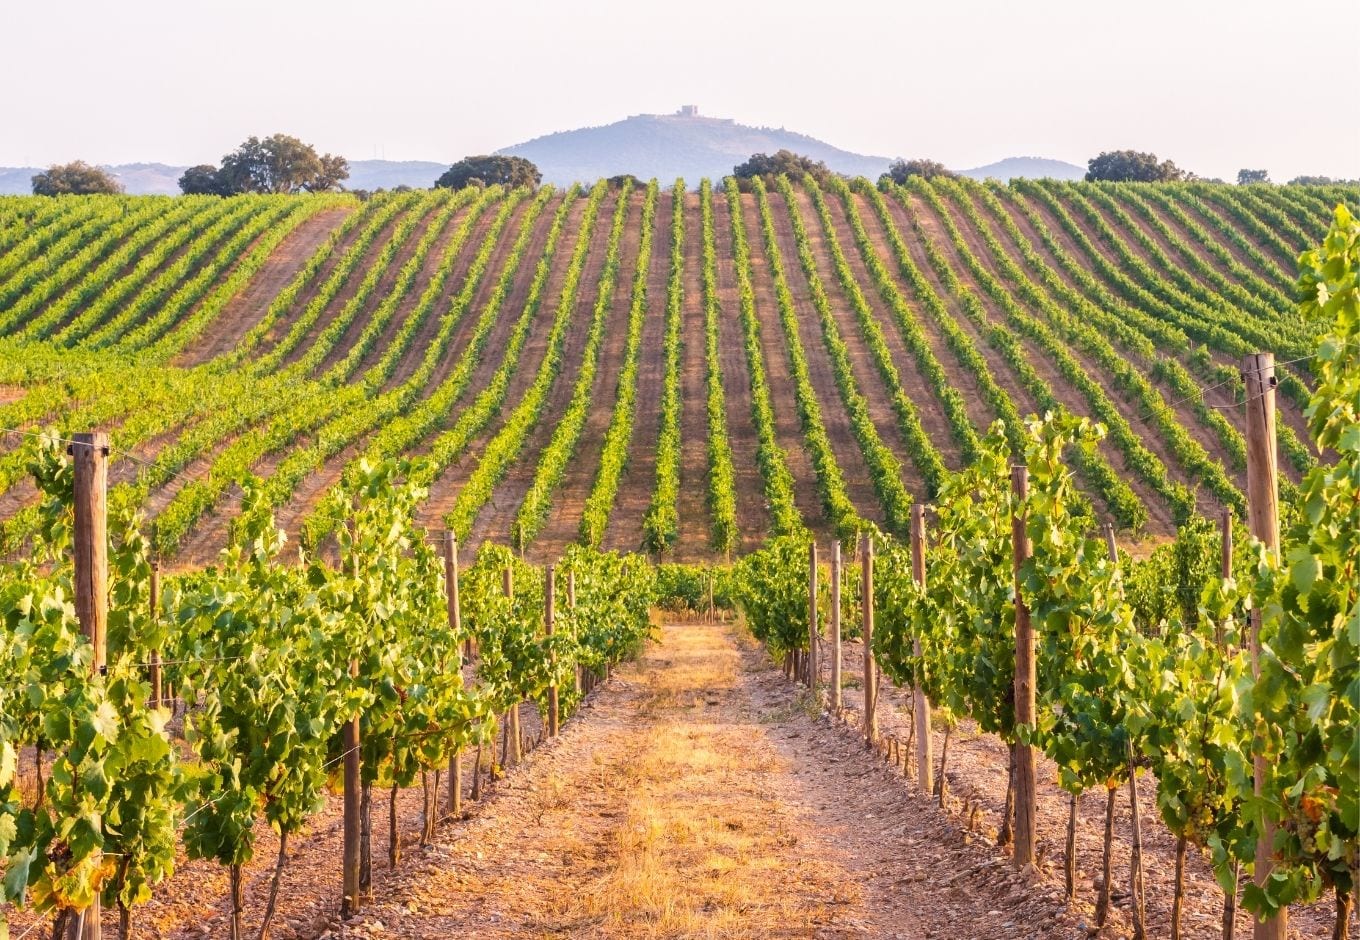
[{"x": 700, "y": 798}]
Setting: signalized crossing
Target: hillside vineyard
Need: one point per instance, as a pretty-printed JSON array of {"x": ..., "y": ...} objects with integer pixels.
[{"x": 651, "y": 368}]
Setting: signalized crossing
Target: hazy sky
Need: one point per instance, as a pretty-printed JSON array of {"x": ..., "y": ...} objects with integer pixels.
[{"x": 1213, "y": 84}]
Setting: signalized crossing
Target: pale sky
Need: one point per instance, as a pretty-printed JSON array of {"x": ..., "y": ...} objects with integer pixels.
[{"x": 1214, "y": 85}]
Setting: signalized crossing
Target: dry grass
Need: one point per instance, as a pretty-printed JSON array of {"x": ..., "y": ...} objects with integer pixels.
[{"x": 699, "y": 846}]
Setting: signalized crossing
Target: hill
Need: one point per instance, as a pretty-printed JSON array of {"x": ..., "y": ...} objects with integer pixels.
[
  {"x": 1033, "y": 168},
  {"x": 389, "y": 174},
  {"x": 666, "y": 146}
]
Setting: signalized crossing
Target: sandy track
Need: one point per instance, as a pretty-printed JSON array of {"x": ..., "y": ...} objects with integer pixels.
[{"x": 700, "y": 798}]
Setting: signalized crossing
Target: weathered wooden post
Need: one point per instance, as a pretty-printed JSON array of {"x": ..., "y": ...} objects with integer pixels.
[
  {"x": 350, "y": 850},
  {"x": 1026, "y": 807},
  {"x": 836, "y": 626},
  {"x": 866, "y": 554},
  {"x": 813, "y": 636},
  {"x": 155, "y": 673},
  {"x": 549, "y": 592},
  {"x": 512, "y": 743},
  {"x": 90, "y": 459},
  {"x": 925, "y": 760},
  {"x": 456, "y": 629},
  {"x": 1258, "y": 373}
]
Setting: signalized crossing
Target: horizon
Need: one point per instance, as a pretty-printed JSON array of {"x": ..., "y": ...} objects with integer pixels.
[{"x": 370, "y": 88}]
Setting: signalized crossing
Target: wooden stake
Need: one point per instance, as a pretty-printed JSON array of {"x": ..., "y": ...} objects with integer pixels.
[
  {"x": 1026, "y": 804},
  {"x": 924, "y": 759},
  {"x": 351, "y": 898},
  {"x": 90, "y": 456},
  {"x": 549, "y": 592},
  {"x": 1226, "y": 561},
  {"x": 866, "y": 554},
  {"x": 456, "y": 629},
  {"x": 157, "y": 683},
  {"x": 1111, "y": 546},
  {"x": 835, "y": 625},
  {"x": 1136, "y": 855},
  {"x": 1258, "y": 373},
  {"x": 711, "y": 615},
  {"x": 813, "y": 637}
]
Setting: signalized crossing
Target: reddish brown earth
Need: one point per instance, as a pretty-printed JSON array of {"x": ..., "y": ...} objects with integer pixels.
[
  {"x": 774, "y": 356},
  {"x": 624, "y": 532},
  {"x": 247, "y": 308},
  {"x": 444, "y": 490},
  {"x": 859, "y": 484},
  {"x": 976, "y": 772},
  {"x": 498, "y": 515},
  {"x": 695, "y": 526},
  {"x": 568, "y": 504}
]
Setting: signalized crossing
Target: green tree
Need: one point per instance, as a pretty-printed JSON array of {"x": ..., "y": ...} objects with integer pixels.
[
  {"x": 1131, "y": 166},
  {"x": 200, "y": 180},
  {"x": 1250, "y": 177},
  {"x": 489, "y": 171},
  {"x": 1321, "y": 181},
  {"x": 899, "y": 170},
  {"x": 277, "y": 164},
  {"x": 77, "y": 179},
  {"x": 781, "y": 163}
]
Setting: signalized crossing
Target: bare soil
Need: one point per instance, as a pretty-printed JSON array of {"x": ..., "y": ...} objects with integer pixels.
[
  {"x": 859, "y": 485},
  {"x": 498, "y": 515},
  {"x": 774, "y": 353},
  {"x": 568, "y": 503},
  {"x": 624, "y": 532},
  {"x": 976, "y": 772},
  {"x": 703, "y": 797},
  {"x": 249, "y": 306}
]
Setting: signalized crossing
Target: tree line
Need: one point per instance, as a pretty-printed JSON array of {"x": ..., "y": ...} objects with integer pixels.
[{"x": 282, "y": 164}]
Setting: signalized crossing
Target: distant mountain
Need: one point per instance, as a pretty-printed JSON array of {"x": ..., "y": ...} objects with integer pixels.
[
  {"x": 1027, "y": 168},
  {"x": 138, "y": 179},
  {"x": 669, "y": 145},
  {"x": 388, "y": 174},
  {"x": 144, "y": 179},
  {"x": 661, "y": 145}
]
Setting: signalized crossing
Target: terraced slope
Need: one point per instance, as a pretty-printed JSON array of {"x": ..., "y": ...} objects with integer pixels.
[{"x": 646, "y": 367}]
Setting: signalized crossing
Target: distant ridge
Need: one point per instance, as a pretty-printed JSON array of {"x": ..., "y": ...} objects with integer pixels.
[
  {"x": 1027, "y": 168},
  {"x": 669, "y": 145}
]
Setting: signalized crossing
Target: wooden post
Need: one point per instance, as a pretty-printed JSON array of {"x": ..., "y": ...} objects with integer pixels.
[
  {"x": 835, "y": 626},
  {"x": 1225, "y": 562},
  {"x": 1136, "y": 853},
  {"x": 350, "y": 901},
  {"x": 1111, "y": 546},
  {"x": 1258, "y": 373},
  {"x": 813, "y": 632},
  {"x": 511, "y": 740},
  {"x": 456, "y": 630},
  {"x": 866, "y": 554},
  {"x": 1026, "y": 806},
  {"x": 90, "y": 459},
  {"x": 549, "y": 592},
  {"x": 712, "y": 615},
  {"x": 925, "y": 760},
  {"x": 157, "y": 680}
]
